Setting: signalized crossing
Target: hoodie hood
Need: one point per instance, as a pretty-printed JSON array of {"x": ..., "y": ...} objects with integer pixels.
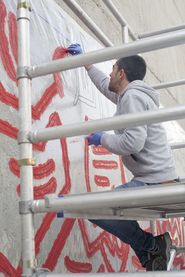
[{"x": 144, "y": 88}]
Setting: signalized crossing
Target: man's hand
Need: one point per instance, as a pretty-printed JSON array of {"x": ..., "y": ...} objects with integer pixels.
[
  {"x": 95, "y": 138},
  {"x": 74, "y": 49}
]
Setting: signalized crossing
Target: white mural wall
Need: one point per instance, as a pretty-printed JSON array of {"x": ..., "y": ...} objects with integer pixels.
[{"x": 63, "y": 166}]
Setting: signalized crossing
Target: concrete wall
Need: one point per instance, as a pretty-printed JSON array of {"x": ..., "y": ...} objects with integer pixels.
[{"x": 67, "y": 166}]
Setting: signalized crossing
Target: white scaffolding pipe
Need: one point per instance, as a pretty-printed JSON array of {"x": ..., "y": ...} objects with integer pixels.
[
  {"x": 153, "y": 227},
  {"x": 180, "y": 249},
  {"x": 117, "y": 213},
  {"x": 25, "y": 147},
  {"x": 125, "y": 50},
  {"x": 177, "y": 145},
  {"x": 111, "y": 123},
  {"x": 124, "y": 274},
  {"x": 172, "y": 257},
  {"x": 142, "y": 197},
  {"x": 88, "y": 22},
  {"x": 170, "y": 84},
  {"x": 167, "y": 30},
  {"x": 119, "y": 17},
  {"x": 125, "y": 35}
]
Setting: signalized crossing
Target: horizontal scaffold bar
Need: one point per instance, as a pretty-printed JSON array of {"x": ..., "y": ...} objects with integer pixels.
[
  {"x": 109, "y": 53},
  {"x": 170, "y": 84},
  {"x": 177, "y": 145},
  {"x": 128, "y": 198},
  {"x": 167, "y": 30},
  {"x": 122, "y": 274},
  {"x": 111, "y": 123}
]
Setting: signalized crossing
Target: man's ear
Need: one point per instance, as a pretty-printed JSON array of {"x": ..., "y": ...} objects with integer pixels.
[{"x": 122, "y": 74}]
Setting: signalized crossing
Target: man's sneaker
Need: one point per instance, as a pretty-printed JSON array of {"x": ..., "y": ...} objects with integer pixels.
[
  {"x": 156, "y": 263},
  {"x": 163, "y": 244},
  {"x": 160, "y": 255}
]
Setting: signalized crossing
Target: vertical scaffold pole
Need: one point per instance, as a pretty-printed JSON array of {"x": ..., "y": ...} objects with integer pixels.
[
  {"x": 25, "y": 147},
  {"x": 125, "y": 34}
]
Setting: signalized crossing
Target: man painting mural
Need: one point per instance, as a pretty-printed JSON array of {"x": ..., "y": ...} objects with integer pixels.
[{"x": 144, "y": 150}]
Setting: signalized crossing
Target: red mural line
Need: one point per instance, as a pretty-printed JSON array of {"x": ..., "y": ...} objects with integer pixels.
[
  {"x": 60, "y": 52},
  {"x": 59, "y": 84},
  {"x": 55, "y": 88},
  {"x": 39, "y": 172},
  {"x": 179, "y": 261},
  {"x": 101, "y": 181},
  {"x": 86, "y": 166},
  {"x": 101, "y": 268},
  {"x": 113, "y": 247},
  {"x": 13, "y": 34},
  {"x": 37, "y": 110},
  {"x": 8, "y": 98},
  {"x": 177, "y": 232},
  {"x": 6, "y": 267},
  {"x": 86, "y": 163},
  {"x": 65, "y": 158},
  {"x": 44, "y": 101},
  {"x": 19, "y": 268},
  {"x": 44, "y": 170},
  {"x": 100, "y": 150},
  {"x": 13, "y": 166},
  {"x": 40, "y": 146},
  {"x": 103, "y": 238},
  {"x": 106, "y": 260},
  {"x": 54, "y": 120},
  {"x": 175, "y": 229},
  {"x": 48, "y": 219},
  {"x": 7, "y": 129},
  {"x": 41, "y": 190},
  {"x": 103, "y": 164},
  {"x": 123, "y": 179},
  {"x": 136, "y": 263},
  {"x": 124, "y": 261},
  {"x": 4, "y": 49},
  {"x": 75, "y": 267},
  {"x": 41, "y": 232},
  {"x": 59, "y": 244},
  {"x": 66, "y": 163}
]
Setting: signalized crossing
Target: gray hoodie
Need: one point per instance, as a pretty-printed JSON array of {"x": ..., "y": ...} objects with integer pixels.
[{"x": 144, "y": 149}]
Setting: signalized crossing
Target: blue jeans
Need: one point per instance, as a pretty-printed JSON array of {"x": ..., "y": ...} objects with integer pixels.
[{"x": 129, "y": 231}]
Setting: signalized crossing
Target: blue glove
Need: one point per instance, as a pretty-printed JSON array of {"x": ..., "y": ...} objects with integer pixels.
[
  {"x": 74, "y": 49},
  {"x": 95, "y": 138},
  {"x": 60, "y": 214}
]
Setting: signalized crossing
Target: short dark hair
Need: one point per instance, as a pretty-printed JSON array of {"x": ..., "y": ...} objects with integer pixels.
[{"x": 134, "y": 67}]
